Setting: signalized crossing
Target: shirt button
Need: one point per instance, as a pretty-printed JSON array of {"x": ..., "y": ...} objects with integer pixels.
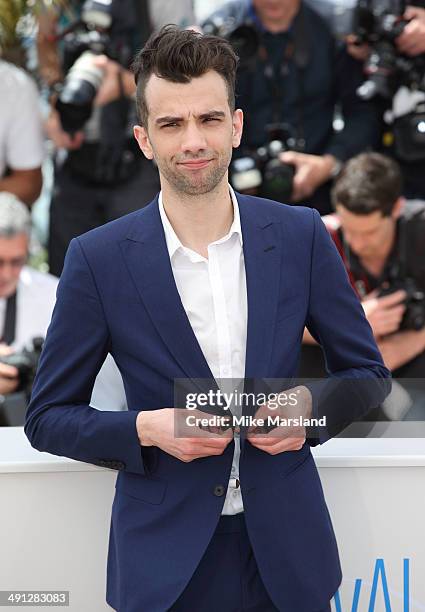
[
  {"x": 235, "y": 493},
  {"x": 219, "y": 490},
  {"x": 233, "y": 469}
]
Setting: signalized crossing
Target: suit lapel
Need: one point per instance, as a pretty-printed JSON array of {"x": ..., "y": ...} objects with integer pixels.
[
  {"x": 262, "y": 247},
  {"x": 146, "y": 255}
]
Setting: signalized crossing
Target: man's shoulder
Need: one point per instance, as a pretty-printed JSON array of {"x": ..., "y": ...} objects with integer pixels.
[{"x": 263, "y": 211}]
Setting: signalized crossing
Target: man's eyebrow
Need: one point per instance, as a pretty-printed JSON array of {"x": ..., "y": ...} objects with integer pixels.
[
  {"x": 213, "y": 113},
  {"x": 209, "y": 114},
  {"x": 161, "y": 120}
]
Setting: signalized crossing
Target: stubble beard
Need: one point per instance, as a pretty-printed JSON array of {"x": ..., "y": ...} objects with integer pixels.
[{"x": 201, "y": 182}]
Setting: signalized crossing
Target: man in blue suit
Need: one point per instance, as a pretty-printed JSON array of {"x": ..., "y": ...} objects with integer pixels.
[{"x": 203, "y": 284}]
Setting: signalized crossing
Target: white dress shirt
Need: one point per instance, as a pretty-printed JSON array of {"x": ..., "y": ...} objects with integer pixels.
[{"x": 213, "y": 294}]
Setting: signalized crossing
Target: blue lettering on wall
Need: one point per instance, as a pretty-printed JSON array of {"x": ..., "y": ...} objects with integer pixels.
[{"x": 379, "y": 577}]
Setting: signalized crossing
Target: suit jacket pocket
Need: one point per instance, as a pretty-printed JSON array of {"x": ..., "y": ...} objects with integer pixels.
[
  {"x": 293, "y": 469},
  {"x": 148, "y": 490}
]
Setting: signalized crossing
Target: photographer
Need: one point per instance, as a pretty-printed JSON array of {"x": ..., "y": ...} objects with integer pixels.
[
  {"x": 27, "y": 298},
  {"x": 390, "y": 40},
  {"x": 294, "y": 72},
  {"x": 21, "y": 134},
  {"x": 380, "y": 237},
  {"x": 99, "y": 173}
]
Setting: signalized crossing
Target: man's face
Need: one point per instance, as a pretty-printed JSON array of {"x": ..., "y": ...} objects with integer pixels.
[
  {"x": 367, "y": 235},
  {"x": 13, "y": 255},
  {"x": 274, "y": 10},
  {"x": 191, "y": 132}
]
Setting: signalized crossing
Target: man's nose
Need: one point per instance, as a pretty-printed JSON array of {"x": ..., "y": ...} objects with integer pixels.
[{"x": 193, "y": 139}]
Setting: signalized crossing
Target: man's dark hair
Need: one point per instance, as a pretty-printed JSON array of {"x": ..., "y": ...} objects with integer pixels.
[
  {"x": 179, "y": 56},
  {"x": 368, "y": 182}
]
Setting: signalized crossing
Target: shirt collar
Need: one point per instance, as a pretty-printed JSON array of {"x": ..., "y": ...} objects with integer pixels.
[{"x": 173, "y": 241}]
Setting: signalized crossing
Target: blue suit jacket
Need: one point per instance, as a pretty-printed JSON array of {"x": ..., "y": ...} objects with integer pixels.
[{"x": 117, "y": 294}]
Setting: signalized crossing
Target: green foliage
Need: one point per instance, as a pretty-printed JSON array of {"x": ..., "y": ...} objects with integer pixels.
[
  {"x": 10, "y": 13},
  {"x": 14, "y": 12}
]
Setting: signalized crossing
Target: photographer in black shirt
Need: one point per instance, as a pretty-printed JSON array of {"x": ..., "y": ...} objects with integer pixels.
[
  {"x": 389, "y": 37},
  {"x": 380, "y": 237},
  {"x": 293, "y": 77},
  {"x": 84, "y": 54}
]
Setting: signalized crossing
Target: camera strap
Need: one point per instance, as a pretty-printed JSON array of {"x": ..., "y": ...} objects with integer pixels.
[
  {"x": 9, "y": 328},
  {"x": 296, "y": 50}
]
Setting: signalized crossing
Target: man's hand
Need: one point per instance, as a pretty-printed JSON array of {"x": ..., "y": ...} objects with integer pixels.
[
  {"x": 60, "y": 138},
  {"x": 384, "y": 313},
  {"x": 401, "y": 347},
  {"x": 166, "y": 428},
  {"x": 310, "y": 172},
  {"x": 282, "y": 438},
  {"x": 412, "y": 40},
  {"x": 116, "y": 81},
  {"x": 9, "y": 378},
  {"x": 360, "y": 51},
  {"x": 24, "y": 184}
]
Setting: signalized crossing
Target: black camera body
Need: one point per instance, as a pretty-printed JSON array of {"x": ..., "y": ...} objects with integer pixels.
[
  {"x": 378, "y": 23},
  {"x": 414, "y": 315},
  {"x": 261, "y": 172},
  {"x": 26, "y": 362}
]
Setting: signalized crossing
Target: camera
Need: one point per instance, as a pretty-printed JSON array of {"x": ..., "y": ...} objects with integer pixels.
[
  {"x": 379, "y": 23},
  {"x": 261, "y": 171},
  {"x": 26, "y": 362},
  {"x": 244, "y": 37},
  {"x": 414, "y": 315},
  {"x": 82, "y": 42}
]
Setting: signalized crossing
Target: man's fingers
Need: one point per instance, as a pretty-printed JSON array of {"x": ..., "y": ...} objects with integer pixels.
[
  {"x": 393, "y": 298},
  {"x": 413, "y": 11},
  {"x": 290, "y": 157},
  {"x": 8, "y": 385},
  {"x": 276, "y": 435},
  {"x": 8, "y": 371},
  {"x": 5, "y": 349},
  {"x": 282, "y": 445}
]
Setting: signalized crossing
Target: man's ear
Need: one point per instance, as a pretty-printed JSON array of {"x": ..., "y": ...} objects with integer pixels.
[
  {"x": 237, "y": 123},
  {"x": 141, "y": 135},
  {"x": 398, "y": 207}
]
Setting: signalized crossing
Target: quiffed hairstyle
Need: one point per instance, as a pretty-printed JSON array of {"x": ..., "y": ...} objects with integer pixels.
[
  {"x": 179, "y": 56},
  {"x": 368, "y": 183}
]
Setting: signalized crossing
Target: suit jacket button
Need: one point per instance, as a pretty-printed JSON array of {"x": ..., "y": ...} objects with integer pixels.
[{"x": 219, "y": 490}]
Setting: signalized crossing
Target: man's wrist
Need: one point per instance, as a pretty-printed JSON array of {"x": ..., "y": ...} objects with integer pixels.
[
  {"x": 333, "y": 166},
  {"x": 142, "y": 427}
]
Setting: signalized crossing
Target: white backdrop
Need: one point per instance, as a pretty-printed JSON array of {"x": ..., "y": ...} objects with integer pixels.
[{"x": 55, "y": 513}]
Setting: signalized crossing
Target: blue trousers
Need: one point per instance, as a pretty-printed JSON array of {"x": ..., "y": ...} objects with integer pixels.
[{"x": 227, "y": 578}]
